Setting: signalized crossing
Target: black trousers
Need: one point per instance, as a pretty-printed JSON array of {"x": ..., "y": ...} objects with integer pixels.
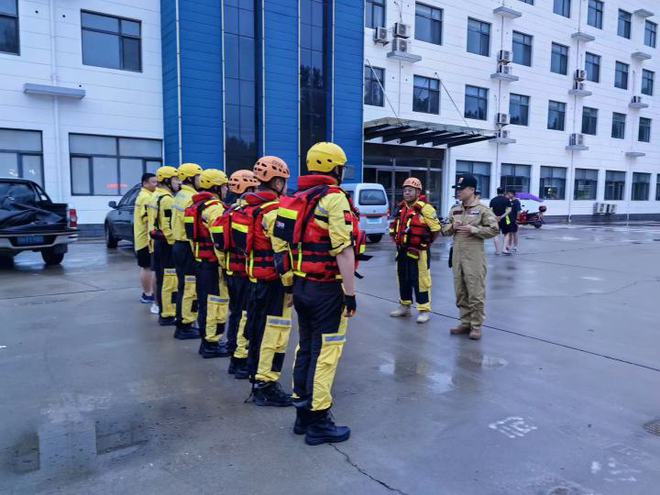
[
  {"x": 268, "y": 329},
  {"x": 238, "y": 293},
  {"x": 163, "y": 260},
  {"x": 322, "y": 329},
  {"x": 186, "y": 303},
  {"x": 414, "y": 276}
]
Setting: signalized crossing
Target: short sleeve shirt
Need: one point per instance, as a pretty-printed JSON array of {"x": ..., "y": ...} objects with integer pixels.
[{"x": 499, "y": 204}]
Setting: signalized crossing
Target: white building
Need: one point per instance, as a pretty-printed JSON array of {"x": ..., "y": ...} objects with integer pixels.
[
  {"x": 77, "y": 78},
  {"x": 452, "y": 54}
]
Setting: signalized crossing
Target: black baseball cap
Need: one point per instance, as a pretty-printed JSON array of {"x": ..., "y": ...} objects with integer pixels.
[{"x": 466, "y": 181}]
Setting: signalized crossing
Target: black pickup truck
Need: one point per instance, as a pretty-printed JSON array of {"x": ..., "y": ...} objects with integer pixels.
[{"x": 30, "y": 221}]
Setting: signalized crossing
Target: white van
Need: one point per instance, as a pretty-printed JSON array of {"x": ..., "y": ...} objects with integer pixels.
[{"x": 374, "y": 208}]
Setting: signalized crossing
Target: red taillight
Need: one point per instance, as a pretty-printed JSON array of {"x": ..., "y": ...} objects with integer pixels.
[
  {"x": 73, "y": 218},
  {"x": 388, "y": 213}
]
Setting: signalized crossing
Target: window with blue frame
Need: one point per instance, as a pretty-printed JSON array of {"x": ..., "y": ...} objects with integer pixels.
[
  {"x": 519, "y": 109},
  {"x": 595, "y": 14},
  {"x": 624, "y": 24},
  {"x": 428, "y": 24},
  {"x": 240, "y": 47},
  {"x": 650, "y": 33},
  {"x": 476, "y": 103},
  {"x": 556, "y": 115},
  {"x": 313, "y": 75},
  {"x": 592, "y": 66},
  {"x": 559, "y": 59},
  {"x": 426, "y": 95},
  {"x": 621, "y": 75},
  {"x": 589, "y": 120},
  {"x": 522, "y": 48},
  {"x": 111, "y": 42},
  {"x": 374, "y": 15},
  {"x": 9, "y": 27},
  {"x": 478, "y": 38},
  {"x": 618, "y": 125},
  {"x": 562, "y": 7},
  {"x": 644, "y": 130},
  {"x": 374, "y": 81},
  {"x": 648, "y": 79}
]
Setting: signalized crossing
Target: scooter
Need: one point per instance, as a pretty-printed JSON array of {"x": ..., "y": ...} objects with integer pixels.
[{"x": 535, "y": 218}]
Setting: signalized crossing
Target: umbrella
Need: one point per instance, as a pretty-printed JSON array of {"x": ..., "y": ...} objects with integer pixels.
[{"x": 528, "y": 196}]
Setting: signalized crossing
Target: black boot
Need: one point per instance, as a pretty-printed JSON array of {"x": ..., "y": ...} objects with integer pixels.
[
  {"x": 185, "y": 332},
  {"x": 209, "y": 350},
  {"x": 302, "y": 421},
  {"x": 322, "y": 429},
  {"x": 271, "y": 394},
  {"x": 241, "y": 369},
  {"x": 166, "y": 322},
  {"x": 233, "y": 365}
]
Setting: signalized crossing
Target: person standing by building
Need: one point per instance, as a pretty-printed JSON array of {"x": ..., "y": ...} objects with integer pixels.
[
  {"x": 469, "y": 223},
  {"x": 212, "y": 296},
  {"x": 501, "y": 206},
  {"x": 162, "y": 239},
  {"x": 414, "y": 228},
  {"x": 511, "y": 239},
  {"x": 141, "y": 237},
  {"x": 186, "y": 301}
]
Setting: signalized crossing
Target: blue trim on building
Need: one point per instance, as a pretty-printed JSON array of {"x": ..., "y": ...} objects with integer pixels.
[{"x": 170, "y": 94}]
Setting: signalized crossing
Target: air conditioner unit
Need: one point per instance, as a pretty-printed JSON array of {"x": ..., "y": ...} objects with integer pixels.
[
  {"x": 580, "y": 75},
  {"x": 400, "y": 45},
  {"x": 381, "y": 36},
  {"x": 502, "y": 119},
  {"x": 613, "y": 209},
  {"x": 503, "y": 68},
  {"x": 401, "y": 30},
  {"x": 576, "y": 140},
  {"x": 579, "y": 86},
  {"x": 610, "y": 209},
  {"x": 599, "y": 208},
  {"x": 503, "y": 134},
  {"x": 636, "y": 99},
  {"x": 504, "y": 56}
]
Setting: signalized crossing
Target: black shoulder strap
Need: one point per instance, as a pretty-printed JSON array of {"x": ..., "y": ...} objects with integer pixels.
[{"x": 157, "y": 222}]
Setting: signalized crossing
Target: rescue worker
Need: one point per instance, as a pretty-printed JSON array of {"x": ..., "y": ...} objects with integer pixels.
[
  {"x": 324, "y": 290},
  {"x": 186, "y": 301},
  {"x": 470, "y": 223},
  {"x": 141, "y": 237},
  {"x": 414, "y": 228},
  {"x": 241, "y": 182},
  {"x": 212, "y": 297},
  {"x": 162, "y": 239},
  {"x": 269, "y": 301}
]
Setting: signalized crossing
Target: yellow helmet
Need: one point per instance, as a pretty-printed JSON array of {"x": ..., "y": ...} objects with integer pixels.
[
  {"x": 323, "y": 157},
  {"x": 189, "y": 170},
  {"x": 166, "y": 172},
  {"x": 212, "y": 177}
]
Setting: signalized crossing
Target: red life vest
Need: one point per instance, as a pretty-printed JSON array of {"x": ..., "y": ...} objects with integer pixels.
[
  {"x": 409, "y": 229},
  {"x": 298, "y": 224},
  {"x": 196, "y": 230},
  {"x": 223, "y": 242}
]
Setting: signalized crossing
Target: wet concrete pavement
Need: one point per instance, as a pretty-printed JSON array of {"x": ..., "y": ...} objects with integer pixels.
[{"x": 96, "y": 398}]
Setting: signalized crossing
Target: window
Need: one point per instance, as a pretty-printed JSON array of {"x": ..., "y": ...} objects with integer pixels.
[
  {"x": 480, "y": 170},
  {"x": 621, "y": 75},
  {"x": 110, "y": 166},
  {"x": 476, "y": 103},
  {"x": 240, "y": 85},
  {"x": 314, "y": 77},
  {"x": 641, "y": 186},
  {"x": 374, "y": 81},
  {"x": 592, "y": 66},
  {"x": 559, "y": 61},
  {"x": 522, "y": 48},
  {"x": 530, "y": 2},
  {"x": 586, "y": 184},
  {"x": 556, "y": 115},
  {"x": 9, "y": 26},
  {"x": 562, "y": 7},
  {"x": 619, "y": 125},
  {"x": 595, "y": 14},
  {"x": 644, "y": 130},
  {"x": 519, "y": 109},
  {"x": 553, "y": 183},
  {"x": 478, "y": 37},
  {"x": 515, "y": 177},
  {"x": 615, "y": 184},
  {"x": 648, "y": 77},
  {"x": 650, "y": 33},
  {"x": 657, "y": 188},
  {"x": 372, "y": 197},
  {"x": 589, "y": 120},
  {"x": 111, "y": 42},
  {"x": 428, "y": 24},
  {"x": 625, "y": 19},
  {"x": 375, "y": 14},
  {"x": 426, "y": 95},
  {"x": 21, "y": 155}
]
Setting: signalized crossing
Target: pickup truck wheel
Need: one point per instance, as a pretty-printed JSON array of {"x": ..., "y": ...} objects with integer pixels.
[
  {"x": 110, "y": 240},
  {"x": 51, "y": 258},
  {"x": 374, "y": 237}
]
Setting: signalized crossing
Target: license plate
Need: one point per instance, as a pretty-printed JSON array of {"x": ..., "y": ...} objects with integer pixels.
[
  {"x": 373, "y": 220},
  {"x": 30, "y": 240}
]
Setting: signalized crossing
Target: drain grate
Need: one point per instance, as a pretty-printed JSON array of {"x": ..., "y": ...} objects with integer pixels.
[{"x": 653, "y": 427}]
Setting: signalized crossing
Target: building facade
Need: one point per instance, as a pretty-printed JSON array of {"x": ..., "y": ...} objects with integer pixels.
[
  {"x": 565, "y": 88},
  {"x": 94, "y": 93}
]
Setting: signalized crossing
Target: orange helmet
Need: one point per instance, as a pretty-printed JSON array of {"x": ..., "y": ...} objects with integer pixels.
[
  {"x": 413, "y": 182},
  {"x": 242, "y": 180},
  {"x": 269, "y": 167}
]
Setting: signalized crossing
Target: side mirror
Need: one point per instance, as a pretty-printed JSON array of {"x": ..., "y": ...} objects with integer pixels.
[{"x": 113, "y": 205}]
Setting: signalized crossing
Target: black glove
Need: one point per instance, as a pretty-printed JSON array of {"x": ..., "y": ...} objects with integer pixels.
[{"x": 350, "y": 304}]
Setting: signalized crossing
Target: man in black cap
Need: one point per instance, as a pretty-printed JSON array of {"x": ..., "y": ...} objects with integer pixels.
[{"x": 470, "y": 223}]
